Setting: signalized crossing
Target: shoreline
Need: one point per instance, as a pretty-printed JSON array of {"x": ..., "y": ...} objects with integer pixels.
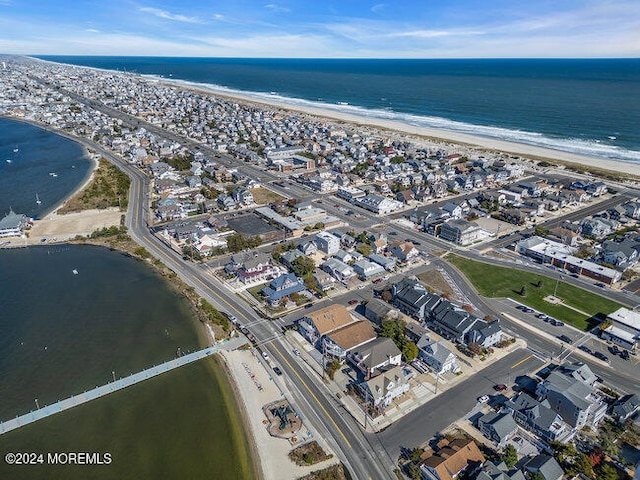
[{"x": 423, "y": 134}]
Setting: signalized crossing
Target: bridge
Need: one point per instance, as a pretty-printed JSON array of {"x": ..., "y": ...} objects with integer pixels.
[{"x": 75, "y": 400}]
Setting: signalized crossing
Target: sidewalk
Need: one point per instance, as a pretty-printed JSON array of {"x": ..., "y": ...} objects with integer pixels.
[{"x": 421, "y": 392}]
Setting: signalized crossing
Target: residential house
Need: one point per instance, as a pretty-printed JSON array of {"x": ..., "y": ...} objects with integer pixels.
[
  {"x": 632, "y": 209},
  {"x": 623, "y": 253},
  {"x": 454, "y": 211},
  {"x": 338, "y": 343},
  {"x": 538, "y": 418},
  {"x": 497, "y": 427},
  {"x": 308, "y": 247},
  {"x": 599, "y": 227},
  {"x": 498, "y": 471},
  {"x": 412, "y": 298},
  {"x": 327, "y": 242},
  {"x": 414, "y": 331},
  {"x": 282, "y": 287},
  {"x": 226, "y": 202},
  {"x": 545, "y": 465},
  {"x": 378, "y": 204},
  {"x": 382, "y": 389},
  {"x": 437, "y": 355},
  {"x": 376, "y": 356},
  {"x": 340, "y": 270},
  {"x": 315, "y": 325},
  {"x": 462, "y": 232},
  {"x": 252, "y": 268},
  {"x": 289, "y": 256},
  {"x": 242, "y": 196},
  {"x": 13, "y": 224},
  {"x": 377, "y": 311},
  {"x": 367, "y": 270},
  {"x": 343, "y": 256},
  {"x": 451, "y": 460},
  {"x": 568, "y": 389},
  {"x": 325, "y": 281},
  {"x": 404, "y": 251},
  {"x": 388, "y": 263},
  {"x": 625, "y": 408}
]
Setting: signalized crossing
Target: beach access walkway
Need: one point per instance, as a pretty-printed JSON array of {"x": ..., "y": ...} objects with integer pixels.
[{"x": 111, "y": 387}]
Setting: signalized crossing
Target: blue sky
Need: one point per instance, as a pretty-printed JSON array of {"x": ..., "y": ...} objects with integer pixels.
[{"x": 323, "y": 28}]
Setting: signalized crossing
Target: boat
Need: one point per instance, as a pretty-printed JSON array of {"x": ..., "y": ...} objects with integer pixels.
[
  {"x": 53, "y": 174},
  {"x": 75, "y": 272},
  {"x": 612, "y": 137},
  {"x": 343, "y": 103},
  {"x": 38, "y": 201},
  {"x": 16, "y": 150},
  {"x": 8, "y": 160}
]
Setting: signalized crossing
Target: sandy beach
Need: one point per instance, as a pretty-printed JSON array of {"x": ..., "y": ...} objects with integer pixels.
[
  {"x": 425, "y": 134},
  {"x": 271, "y": 453}
]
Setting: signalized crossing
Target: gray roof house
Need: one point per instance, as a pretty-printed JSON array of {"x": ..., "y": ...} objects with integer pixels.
[
  {"x": 497, "y": 427},
  {"x": 377, "y": 310},
  {"x": 570, "y": 393},
  {"x": 539, "y": 418},
  {"x": 289, "y": 256},
  {"x": 546, "y": 465},
  {"x": 375, "y": 356},
  {"x": 381, "y": 390},
  {"x": 625, "y": 407},
  {"x": 498, "y": 471},
  {"x": 412, "y": 298},
  {"x": 437, "y": 355}
]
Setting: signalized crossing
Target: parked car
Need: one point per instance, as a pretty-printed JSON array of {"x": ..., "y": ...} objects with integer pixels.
[
  {"x": 586, "y": 349},
  {"x": 601, "y": 285},
  {"x": 483, "y": 399},
  {"x": 601, "y": 356},
  {"x": 614, "y": 349},
  {"x": 624, "y": 354},
  {"x": 527, "y": 310},
  {"x": 265, "y": 355},
  {"x": 353, "y": 302},
  {"x": 500, "y": 387},
  {"x": 566, "y": 339},
  {"x": 541, "y": 316},
  {"x": 559, "y": 323},
  {"x": 277, "y": 370},
  {"x": 296, "y": 351}
]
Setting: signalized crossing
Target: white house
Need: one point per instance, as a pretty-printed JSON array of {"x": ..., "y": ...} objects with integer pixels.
[
  {"x": 380, "y": 391},
  {"x": 327, "y": 242},
  {"x": 437, "y": 355}
]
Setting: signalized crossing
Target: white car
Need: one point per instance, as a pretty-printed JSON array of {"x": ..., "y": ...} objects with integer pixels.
[
  {"x": 483, "y": 399},
  {"x": 265, "y": 355}
]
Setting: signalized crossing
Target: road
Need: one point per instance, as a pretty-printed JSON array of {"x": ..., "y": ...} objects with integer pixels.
[
  {"x": 423, "y": 423},
  {"x": 365, "y": 455}
]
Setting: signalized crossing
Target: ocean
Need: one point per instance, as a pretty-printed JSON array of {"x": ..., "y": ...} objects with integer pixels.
[
  {"x": 584, "y": 106},
  {"x": 37, "y": 165}
]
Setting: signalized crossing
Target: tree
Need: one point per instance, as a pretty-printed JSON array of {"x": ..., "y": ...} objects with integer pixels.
[
  {"x": 510, "y": 456},
  {"x": 387, "y": 296},
  {"x": 409, "y": 351},
  {"x": 607, "y": 472},
  {"x": 414, "y": 472},
  {"x": 536, "y": 476},
  {"x": 523, "y": 291},
  {"x": 467, "y": 308},
  {"x": 583, "y": 465},
  {"x": 332, "y": 368},
  {"x": 364, "y": 249},
  {"x": 303, "y": 266},
  {"x": 541, "y": 231}
]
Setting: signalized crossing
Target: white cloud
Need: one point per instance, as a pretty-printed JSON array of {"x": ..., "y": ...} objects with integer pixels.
[
  {"x": 378, "y": 8},
  {"x": 169, "y": 16},
  {"x": 274, "y": 7}
]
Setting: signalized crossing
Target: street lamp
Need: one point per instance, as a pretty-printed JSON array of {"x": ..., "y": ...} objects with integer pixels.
[
  {"x": 113, "y": 372},
  {"x": 37, "y": 406}
]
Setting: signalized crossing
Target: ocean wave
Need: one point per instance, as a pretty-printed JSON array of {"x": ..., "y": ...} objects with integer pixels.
[{"x": 588, "y": 147}]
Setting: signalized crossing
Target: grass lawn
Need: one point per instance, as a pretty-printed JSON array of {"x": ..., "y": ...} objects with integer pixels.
[
  {"x": 257, "y": 291},
  {"x": 263, "y": 196},
  {"x": 493, "y": 281}
]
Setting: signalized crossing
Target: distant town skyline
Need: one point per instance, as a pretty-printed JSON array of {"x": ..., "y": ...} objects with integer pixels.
[{"x": 347, "y": 29}]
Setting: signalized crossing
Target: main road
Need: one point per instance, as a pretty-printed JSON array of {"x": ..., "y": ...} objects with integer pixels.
[{"x": 366, "y": 455}]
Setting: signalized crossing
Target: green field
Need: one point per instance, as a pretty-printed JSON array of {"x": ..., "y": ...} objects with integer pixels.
[{"x": 493, "y": 281}]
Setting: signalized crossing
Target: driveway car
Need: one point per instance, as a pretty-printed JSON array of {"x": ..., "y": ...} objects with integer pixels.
[{"x": 483, "y": 399}]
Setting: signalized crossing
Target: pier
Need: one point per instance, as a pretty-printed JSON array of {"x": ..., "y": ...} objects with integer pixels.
[{"x": 75, "y": 400}]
